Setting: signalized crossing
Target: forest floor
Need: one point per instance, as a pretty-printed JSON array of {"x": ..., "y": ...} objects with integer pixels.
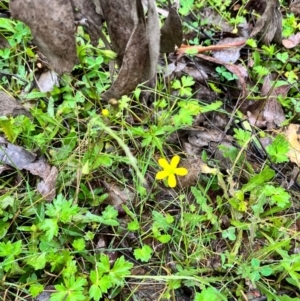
[{"x": 184, "y": 189}]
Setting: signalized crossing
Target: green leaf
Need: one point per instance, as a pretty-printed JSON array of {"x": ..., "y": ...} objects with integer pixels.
[
  {"x": 185, "y": 6},
  {"x": 161, "y": 221},
  {"x": 243, "y": 137},
  {"x": 278, "y": 195},
  {"x": 120, "y": 270},
  {"x": 62, "y": 209},
  {"x": 283, "y": 57},
  {"x": 70, "y": 268},
  {"x": 37, "y": 261},
  {"x": 182, "y": 119},
  {"x": 79, "y": 244},
  {"x": 103, "y": 266},
  {"x": 51, "y": 228},
  {"x": 187, "y": 81},
  {"x": 278, "y": 149},
  {"x": 109, "y": 216},
  {"x": 255, "y": 262},
  {"x": 143, "y": 254},
  {"x": 176, "y": 84},
  {"x": 35, "y": 289},
  {"x": 210, "y": 294},
  {"x": 72, "y": 290},
  {"x": 266, "y": 270},
  {"x": 185, "y": 91},
  {"x": 229, "y": 233},
  {"x": 105, "y": 283},
  {"x": 163, "y": 238},
  {"x": 261, "y": 71},
  {"x": 10, "y": 249},
  {"x": 252, "y": 43},
  {"x": 255, "y": 276},
  {"x": 266, "y": 175},
  {"x": 6, "y": 201},
  {"x": 133, "y": 226},
  {"x": 101, "y": 284},
  {"x": 95, "y": 292}
]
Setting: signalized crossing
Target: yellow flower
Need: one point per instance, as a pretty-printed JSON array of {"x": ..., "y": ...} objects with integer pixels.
[
  {"x": 170, "y": 170},
  {"x": 105, "y": 112}
]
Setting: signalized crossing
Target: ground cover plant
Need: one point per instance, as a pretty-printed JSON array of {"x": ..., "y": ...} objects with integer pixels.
[{"x": 149, "y": 165}]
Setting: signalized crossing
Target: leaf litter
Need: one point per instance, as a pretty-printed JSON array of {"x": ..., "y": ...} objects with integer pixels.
[
  {"x": 21, "y": 159},
  {"x": 136, "y": 45}
]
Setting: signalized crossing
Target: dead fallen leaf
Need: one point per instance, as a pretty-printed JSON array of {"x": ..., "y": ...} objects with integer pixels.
[
  {"x": 233, "y": 43},
  {"x": 86, "y": 10},
  {"x": 269, "y": 26},
  {"x": 4, "y": 168},
  {"x": 3, "y": 42},
  {"x": 295, "y": 8},
  {"x": 203, "y": 137},
  {"x": 53, "y": 29},
  {"x": 193, "y": 165},
  {"x": 47, "y": 81},
  {"x": 292, "y": 134},
  {"x": 10, "y": 106},
  {"x": 133, "y": 65},
  {"x": 98, "y": 7},
  {"x": 121, "y": 19},
  {"x": 153, "y": 37},
  {"x": 118, "y": 196},
  {"x": 197, "y": 74},
  {"x": 171, "y": 32},
  {"x": 21, "y": 159},
  {"x": 268, "y": 112},
  {"x": 136, "y": 42},
  {"x": 292, "y": 41},
  {"x": 229, "y": 55},
  {"x": 184, "y": 65},
  {"x": 212, "y": 17}
]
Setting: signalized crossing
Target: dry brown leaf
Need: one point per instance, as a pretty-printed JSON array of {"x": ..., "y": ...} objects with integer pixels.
[
  {"x": 135, "y": 41},
  {"x": 121, "y": 18},
  {"x": 197, "y": 74},
  {"x": 269, "y": 25},
  {"x": 272, "y": 112},
  {"x": 229, "y": 55},
  {"x": 212, "y": 17},
  {"x": 86, "y": 9},
  {"x": 203, "y": 137},
  {"x": 171, "y": 32},
  {"x": 153, "y": 37},
  {"x": 118, "y": 196},
  {"x": 193, "y": 165},
  {"x": 53, "y": 29},
  {"x": 47, "y": 81},
  {"x": 21, "y": 159},
  {"x": 268, "y": 112},
  {"x": 295, "y": 8},
  {"x": 10, "y": 106},
  {"x": 292, "y": 41},
  {"x": 133, "y": 65},
  {"x": 292, "y": 134},
  {"x": 98, "y": 7},
  {"x": 3, "y": 42}
]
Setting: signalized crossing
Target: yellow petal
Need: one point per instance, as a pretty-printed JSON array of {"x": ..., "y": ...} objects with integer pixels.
[
  {"x": 161, "y": 175},
  {"x": 163, "y": 163},
  {"x": 172, "y": 181},
  {"x": 175, "y": 160},
  {"x": 181, "y": 171}
]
